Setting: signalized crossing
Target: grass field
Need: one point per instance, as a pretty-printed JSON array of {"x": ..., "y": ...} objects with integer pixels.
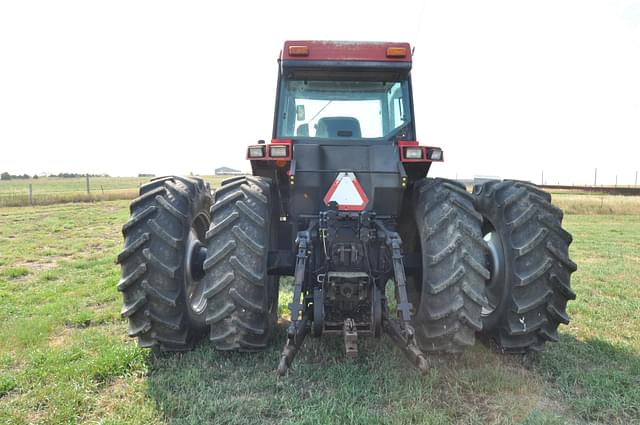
[
  {"x": 54, "y": 190},
  {"x": 596, "y": 203},
  {"x": 64, "y": 356}
]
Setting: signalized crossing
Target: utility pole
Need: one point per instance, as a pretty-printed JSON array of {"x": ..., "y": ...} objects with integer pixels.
[
  {"x": 88, "y": 190},
  {"x": 595, "y": 178}
]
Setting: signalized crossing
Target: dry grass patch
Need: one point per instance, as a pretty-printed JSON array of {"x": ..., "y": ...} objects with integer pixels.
[
  {"x": 599, "y": 204},
  {"x": 61, "y": 339},
  {"x": 123, "y": 400},
  {"x": 40, "y": 265}
]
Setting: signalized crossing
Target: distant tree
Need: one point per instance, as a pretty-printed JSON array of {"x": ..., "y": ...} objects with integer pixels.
[
  {"x": 5, "y": 176},
  {"x": 35, "y": 177},
  {"x": 77, "y": 175}
]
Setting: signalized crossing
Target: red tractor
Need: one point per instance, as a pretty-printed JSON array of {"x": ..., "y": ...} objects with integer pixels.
[{"x": 339, "y": 199}]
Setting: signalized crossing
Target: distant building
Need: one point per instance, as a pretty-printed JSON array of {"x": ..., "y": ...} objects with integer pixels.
[
  {"x": 225, "y": 171},
  {"x": 484, "y": 179}
]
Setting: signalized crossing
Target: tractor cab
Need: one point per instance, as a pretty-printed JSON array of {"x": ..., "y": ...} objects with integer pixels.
[
  {"x": 344, "y": 91},
  {"x": 343, "y": 107}
]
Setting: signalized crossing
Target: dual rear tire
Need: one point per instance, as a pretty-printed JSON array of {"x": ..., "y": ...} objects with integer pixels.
[
  {"x": 530, "y": 285},
  {"x": 448, "y": 298},
  {"x": 495, "y": 264},
  {"x": 193, "y": 264},
  {"x": 167, "y": 216},
  {"x": 241, "y": 298}
]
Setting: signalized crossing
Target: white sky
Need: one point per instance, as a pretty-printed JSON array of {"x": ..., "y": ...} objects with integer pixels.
[{"x": 506, "y": 88}]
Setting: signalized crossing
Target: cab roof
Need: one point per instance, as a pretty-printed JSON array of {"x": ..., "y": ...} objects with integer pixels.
[{"x": 368, "y": 51}]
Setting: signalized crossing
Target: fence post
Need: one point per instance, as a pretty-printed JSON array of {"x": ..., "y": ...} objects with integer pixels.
[
  {"x": 88, "y": 190},
  {"x": 30, "y": 194}
]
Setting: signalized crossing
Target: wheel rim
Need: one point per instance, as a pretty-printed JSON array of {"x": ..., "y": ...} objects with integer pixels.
[
  {"x": 196, "y": 253},
  {"x": 495, "y": 286}
]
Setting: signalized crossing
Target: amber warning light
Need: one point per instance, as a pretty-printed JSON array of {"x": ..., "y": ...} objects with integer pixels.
[
  {"x": 396, "y": 52},
  {"x": 298, "y": 50}
]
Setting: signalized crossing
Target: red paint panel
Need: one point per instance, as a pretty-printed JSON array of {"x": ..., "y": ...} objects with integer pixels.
[
  {"x": 281, "y": 141},
  {"x": 346, "y": 51},
  {"x": 402, "y": 143}
]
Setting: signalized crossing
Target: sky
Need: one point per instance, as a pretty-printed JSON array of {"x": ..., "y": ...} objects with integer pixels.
[{"x": 507, "y": 88}]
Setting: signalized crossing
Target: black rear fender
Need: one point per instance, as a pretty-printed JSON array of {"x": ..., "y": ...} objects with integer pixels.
[{"x": 376, "y": 166}]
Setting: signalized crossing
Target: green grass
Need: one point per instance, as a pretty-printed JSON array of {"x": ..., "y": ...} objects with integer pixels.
[
  {"x": 15, "y": 272},
  {"x": 64, "y": 356}
]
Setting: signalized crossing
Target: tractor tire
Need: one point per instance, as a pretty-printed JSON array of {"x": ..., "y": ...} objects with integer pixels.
[
  {"x": 530, "y": 265},
  {"x": 242, "y": 299},
  {"x": 449, "y": 301},
  {"x": 154, "y": 276}
]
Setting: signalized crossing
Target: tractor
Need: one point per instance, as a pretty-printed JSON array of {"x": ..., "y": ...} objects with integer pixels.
[{"x": 339, "y": 200}]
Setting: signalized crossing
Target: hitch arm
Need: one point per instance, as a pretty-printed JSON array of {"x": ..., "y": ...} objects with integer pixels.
[
  {"x": 296, "y": 306},
  {"x": 401, "y": 331},
  {"x": 297, "y": 331},
  {"x": 405, "y": 339},
  {"x": 293, "y": 344},
  {"x": 393, "y": 241}
]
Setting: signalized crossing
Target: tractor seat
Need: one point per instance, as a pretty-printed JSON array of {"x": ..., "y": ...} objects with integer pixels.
[{"x": 338, "y": 127}]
